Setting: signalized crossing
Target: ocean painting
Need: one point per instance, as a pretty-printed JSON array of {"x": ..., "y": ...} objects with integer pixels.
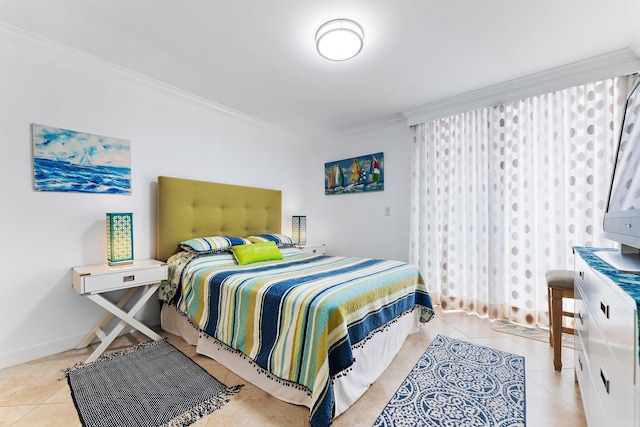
[
  {"x": 69, "y": 161},
  {"x": 359, "y": 174}
]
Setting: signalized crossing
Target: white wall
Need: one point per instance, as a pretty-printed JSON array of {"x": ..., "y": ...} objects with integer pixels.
[
  {"x": 44, "y": 234},
  {"x": 355, "y": 224}
]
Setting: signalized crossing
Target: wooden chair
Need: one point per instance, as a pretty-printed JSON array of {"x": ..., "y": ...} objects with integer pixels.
[{"x": 559, "y": 286}]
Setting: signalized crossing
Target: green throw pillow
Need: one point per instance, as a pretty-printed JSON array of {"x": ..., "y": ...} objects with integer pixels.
[{"x": 255, "y": 252}]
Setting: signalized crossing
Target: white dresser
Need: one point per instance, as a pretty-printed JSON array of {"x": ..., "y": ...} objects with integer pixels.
[{"x": 606, "y": 355}]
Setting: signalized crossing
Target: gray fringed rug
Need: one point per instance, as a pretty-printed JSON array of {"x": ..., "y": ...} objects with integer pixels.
[
  {"x": 151, "y": 384},
  {"x": 535, "y": 333},
  {"x": 458, "y": 383}
]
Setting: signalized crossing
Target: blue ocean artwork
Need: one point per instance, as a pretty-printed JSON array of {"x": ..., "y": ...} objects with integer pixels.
[
  {"x": 356, "y": 175},
  {"x": 70, "y": 161}
]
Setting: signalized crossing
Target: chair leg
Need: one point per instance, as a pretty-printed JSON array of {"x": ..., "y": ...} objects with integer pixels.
[
  {"x": 550, "y": 318},
  {"x": 556, "y": 319}
]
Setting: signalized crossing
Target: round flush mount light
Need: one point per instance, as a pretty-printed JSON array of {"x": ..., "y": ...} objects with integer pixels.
[{"x": 339, "y": 39}]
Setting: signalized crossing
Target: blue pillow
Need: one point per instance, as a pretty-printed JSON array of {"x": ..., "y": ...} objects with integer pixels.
[
  {"x": 205, "y": 245},
  {"x": 280, "y": 240}
]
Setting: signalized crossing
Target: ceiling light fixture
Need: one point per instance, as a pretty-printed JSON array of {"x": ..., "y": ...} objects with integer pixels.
[{"x": 339, "y": 39}]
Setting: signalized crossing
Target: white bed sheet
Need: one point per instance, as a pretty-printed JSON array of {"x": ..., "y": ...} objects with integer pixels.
[{"x": 371, "y": 359}]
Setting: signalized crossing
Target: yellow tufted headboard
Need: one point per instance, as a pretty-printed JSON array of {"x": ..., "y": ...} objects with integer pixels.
[{"x": 189, "y": 208}]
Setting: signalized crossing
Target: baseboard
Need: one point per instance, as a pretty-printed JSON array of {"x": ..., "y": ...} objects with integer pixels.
[
  {"x": 36, "y": 352},
  {"x": 45, "y": 349}
]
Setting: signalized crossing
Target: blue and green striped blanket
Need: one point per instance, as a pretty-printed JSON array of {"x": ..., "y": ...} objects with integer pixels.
[{"x": 297, "y": 318}]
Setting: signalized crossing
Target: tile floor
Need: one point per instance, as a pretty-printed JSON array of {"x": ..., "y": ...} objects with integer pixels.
[{"x": 31, "y": 395}]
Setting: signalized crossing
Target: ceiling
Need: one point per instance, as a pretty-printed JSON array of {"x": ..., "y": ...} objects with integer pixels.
[{"x": 258, "y": 57}]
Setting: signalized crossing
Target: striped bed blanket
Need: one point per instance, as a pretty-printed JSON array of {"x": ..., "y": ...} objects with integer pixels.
[{"x": 297, "y": 318}]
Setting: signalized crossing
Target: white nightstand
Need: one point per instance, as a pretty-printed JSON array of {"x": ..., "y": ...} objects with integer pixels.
[
  {"x": 92, "y": 280},
  {"x": 313, "y": 248}
]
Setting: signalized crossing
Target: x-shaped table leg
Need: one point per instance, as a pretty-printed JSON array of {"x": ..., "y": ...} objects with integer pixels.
[{"x": 126, "y": 318}]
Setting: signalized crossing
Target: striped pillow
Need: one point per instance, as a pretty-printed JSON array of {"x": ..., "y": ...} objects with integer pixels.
[
  {"x": 280, "y": 240},
  {"x": 206, "y": 245}
]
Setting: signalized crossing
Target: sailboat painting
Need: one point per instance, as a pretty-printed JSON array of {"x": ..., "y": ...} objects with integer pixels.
[
  {"x": 356, "y": 175},
  {"x": 69, "y": 161}
]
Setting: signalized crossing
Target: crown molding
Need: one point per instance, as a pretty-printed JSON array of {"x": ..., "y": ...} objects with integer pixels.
[
  {"x": 617, "y": 63},
  {"x": 371, "y": 126},
  {"x": 38, "y": 43}
]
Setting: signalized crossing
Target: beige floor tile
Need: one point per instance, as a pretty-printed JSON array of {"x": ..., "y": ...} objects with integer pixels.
[
  {"x": 470, "y": 325},
  {"x": 63, "y": 396},
  {"x": 50, "y": 415},
  {"x": 38, "y": 381},
  {"x": 435, "y": 327},
  {"x": 32, "y": 383},
  {"x": 545, "y": 410},
  {"x": 562, "y": 385},
  {"x": 365, "y": 411},
  {"x": 398, "y": 370},
  {"x": 253, "y": 407},
  {"x": 11, "y": 414}
]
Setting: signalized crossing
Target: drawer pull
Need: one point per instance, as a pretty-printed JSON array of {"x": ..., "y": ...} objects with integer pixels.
[
  {"x": 129, "y": 278},
  {"x": 580, "y": 362},
  {"x": 605, "y": 381},
  {"x": 581, "y": 274},
  {"x": 605, "y": 308},
  {"x": 581, "y": 317}
]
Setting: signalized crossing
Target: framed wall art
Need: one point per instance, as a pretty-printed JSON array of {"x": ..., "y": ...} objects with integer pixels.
[
  {"x": 69, "y": 161},
  {"x": 355, "y": 175}
]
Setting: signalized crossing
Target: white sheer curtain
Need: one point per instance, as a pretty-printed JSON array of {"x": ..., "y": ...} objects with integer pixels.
[{"x": 502, "y": 194}]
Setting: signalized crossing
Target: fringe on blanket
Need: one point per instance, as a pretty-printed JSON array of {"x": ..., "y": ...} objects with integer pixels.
[
  {"x": 425, "y": 316},
  {"x": 258, "y": 368}
]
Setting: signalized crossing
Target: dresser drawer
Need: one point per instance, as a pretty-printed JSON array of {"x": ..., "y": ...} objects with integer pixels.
[
  {"x": 581, "y": 317},
  {"x": 582, "y": 272},
  {"x": 103, "y": 278},
  {"x": 613, "y": 387},
  {"x": 582, "y": 374},
  {"x": 616, "y": 320}
]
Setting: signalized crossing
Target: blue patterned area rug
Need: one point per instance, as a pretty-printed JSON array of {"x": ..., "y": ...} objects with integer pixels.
[
  {"x": 151, "y": 384},
  {"x": 457, "y": 383}
]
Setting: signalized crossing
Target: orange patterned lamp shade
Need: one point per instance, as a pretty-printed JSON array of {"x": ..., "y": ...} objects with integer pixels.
[
  {"x": 299, "y": 229},
  {"x": 120, "y": 238}
]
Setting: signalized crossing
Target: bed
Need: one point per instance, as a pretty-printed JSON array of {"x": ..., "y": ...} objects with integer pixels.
[{"x": 312, "y": 330}]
